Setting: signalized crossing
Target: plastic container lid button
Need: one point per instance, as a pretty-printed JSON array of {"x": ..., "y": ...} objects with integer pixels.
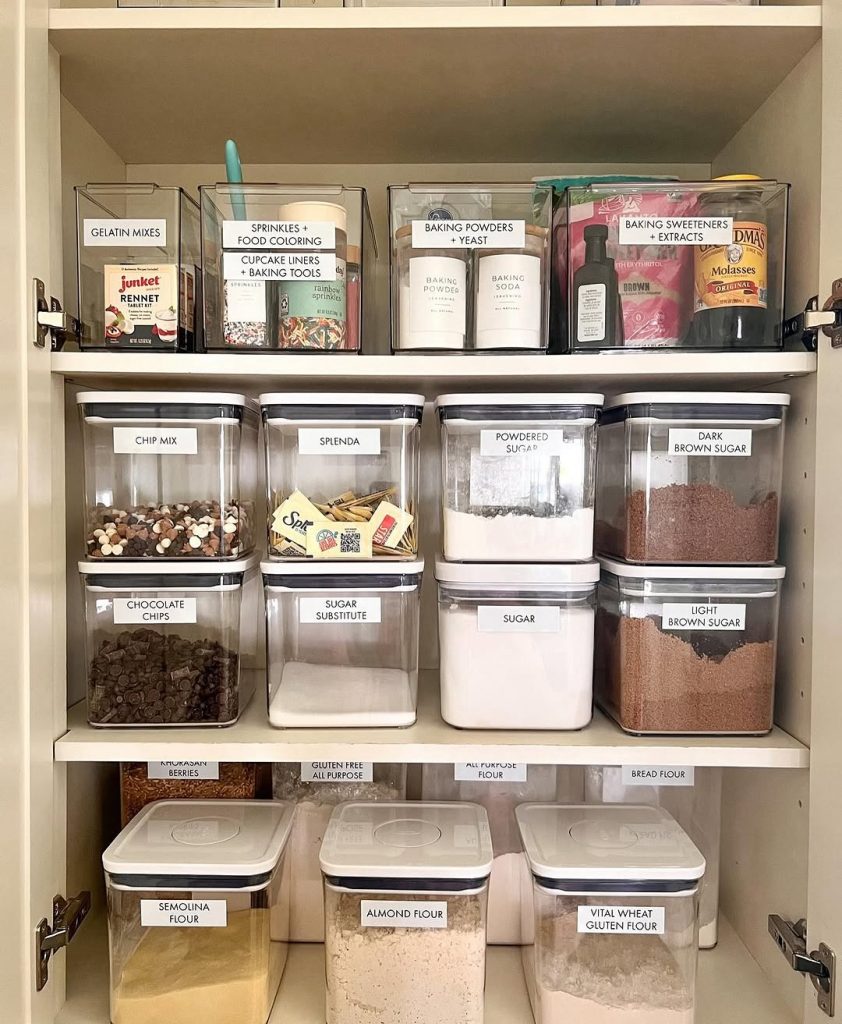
[
  {"x": 205, "y": 831},
  {"x": 603, "y": 835},
  {"x": 407, "y": 832}
]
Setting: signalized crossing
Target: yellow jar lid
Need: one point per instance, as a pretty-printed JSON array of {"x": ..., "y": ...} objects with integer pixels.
[{"x": 738, "y": 177}]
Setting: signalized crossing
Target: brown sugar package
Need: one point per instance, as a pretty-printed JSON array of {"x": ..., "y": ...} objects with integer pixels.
[{"x": 691, "y": 478}]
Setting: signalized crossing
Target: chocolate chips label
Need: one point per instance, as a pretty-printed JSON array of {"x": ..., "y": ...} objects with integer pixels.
[
  {"x": 279, "y": 266},
  {"x": 278, "y": 234},
  {"x": 704, "y": 617},
  {"x": 675, "y": 230},
  {"x": 604, "y": 920},
  {"x": 489, "y": 771},
  {"x": 339, "y": 441},
  {"x": 692, "y": 441},
  {"x": 337, "y": 771},
  {"x": 468, "y": 234},
  {"x": 658, "y": 775},
  {"x": 521, "y": 442},
  {"x": 182, "y": 770},
  {"x": 155, "y": 441},
  {"x": 133, "y": 232},
  {"x": 183, "y": 913},
  {"x": 154, "y": 609},
  {"x": 403, "y": 913},
  {"x": 513, "y": 618},
  {"x": 338, "y": 609}
]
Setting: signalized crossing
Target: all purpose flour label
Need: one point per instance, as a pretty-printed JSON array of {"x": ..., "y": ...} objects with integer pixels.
[
  {"x": 628, "y": 920},
  {"x": 337, "y": 771},
  {"x": 489, "y": 771},
  {"x": 403, "y": 913}
]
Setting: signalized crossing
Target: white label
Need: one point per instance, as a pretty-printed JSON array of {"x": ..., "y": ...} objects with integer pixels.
[
  {"x": 182, "y": 769},
  {"x": 183, "y": 913},
  {"x": 154, "y": 609},
  {"x": 337, "y": 771},
  {"x": 468, "y": 234},
  {"x": 684, "y": 441},
  {"x": 629, "y": 920},
  {"x": 475, "y": 771},
  {"x": 245, "y": 302},
  {"x": 156, "y": 441},
  {"x": 590, "y": 320},
  {"x": 676, "y": 231},
  {"x": 278, "y": 234},
  {"x": 509, "y": 293},
  {"x": 117, "y": 233},
  {"x": 513, "y": 618},
  {"x": 338, "y": 609},
  {"x": 437, "y": 295},
  {"x": 339, "y": 440},
  {"x": 521, "y": 442},
  {"x": 658, "y": 775},
  {"x": 403, "y": 913},
  {"x": 279, "y": 266},
  {"x": 704, "y": 616}
]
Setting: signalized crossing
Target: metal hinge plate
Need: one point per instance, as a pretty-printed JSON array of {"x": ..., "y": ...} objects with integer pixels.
[
  {"x": 51, "y": 321},
  {"x": 68, "y": 915},
  {"x": 827, "y": 319},
  {"x": 820, "y": 965}
]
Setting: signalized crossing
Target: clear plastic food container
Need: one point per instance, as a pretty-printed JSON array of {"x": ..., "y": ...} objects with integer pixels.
[
  {"x": 144, "y": 782},
  {"x": 169, "y": 644},
  {"x": 499, "y": 788},
  {"x": 615, "y": 897},
  {"x": 693, "y": 796},
  {"x": 691, "y": 478},
  {"x": 316, "y": 787},
  {"x": 342, "y": 475},
  {"x": 517, "y": 645},
  {"x": 688, "y": 650},
  {"x": 342, "y": 643},
  {"x": 168, "y": 474},
  {"x": 198, "y": 912},
  {"x": 518, "y": 476},
  {"x": 405, "y": 901}
]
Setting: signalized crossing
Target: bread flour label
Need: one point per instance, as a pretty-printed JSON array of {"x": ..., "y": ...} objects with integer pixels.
[
  {"x": 341, "y": 441},
  {"x": 133, "y": 232},
  {"x": 182, "y": 769},
  {"x": 183, "y": 913},
  {"x": 684, "y": 441},
  {"x": 155, "y": 441},
  {"x": 658, "y": 775},
  {"x": 626, "y": 920},
  {"x": 489, "y": 771},
  {"x": 403, "y": 913},
  {"x": 278, "y": 234},
  {"x": 468, "y": 234},
  {"x": 704, "y": 616},
  {"x": 337, "y": 771},
  {"x": 338, "y": 609},
  {"x": 154, "y": 609},
  {"x": 513, "y": 618},
  {"x": 521, "y": 442}
]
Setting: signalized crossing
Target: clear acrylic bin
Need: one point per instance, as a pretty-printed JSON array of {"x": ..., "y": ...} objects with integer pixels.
[
  {"x": 144, "y": 782},
  {"x": 533, "y": 624},
  {"x": 693, "y": 796},
  {"x": 691, "y": 478},
  {"x": 615, "y": 909},
  {"x": 169, "y": 644},
  {"x": 405, "y": 905},
  {"x": 687, "y": 650},
  {"x": 198, "y": 912},
  {"x": 518, "y": 476},
  {"x": 168, "y": 474},
  {"x": 286, "y": 267},
  {"x": 316, "y": 788},
  {"x": 197, "y": 3},
  {"x": 138, "y": 267},
  {"x": 342, "y": 475},
  {"x": 342, "y": 643},
  {"x": 470, "y": 267},
  {"x": 654, "y": 265}
]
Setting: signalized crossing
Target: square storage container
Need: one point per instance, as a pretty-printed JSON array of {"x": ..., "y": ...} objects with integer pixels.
[
  {"x": 691, "y": 478},
  {"x": 688, "y": 650},
  {"x": 342, "y": 643},
  {"x": 169, "y": 644},
  {"x": 342, "y": 475},
  {"x": 285, "y": 266},
  {"x": 405, "y": 902},
  {"x": 470, "y": 267},
  {"x": 138, "y": 267},
  {"x": 693, "y": 796},
  {"x": 316, "y": 787},
  {"x": 518, "y": 476},
  {"x": 197, "y": 3},
  {"x": 168, "y": 474},
  {"x": 654, "y": 265},
  {"x": 144, "y": 782},
  {"x": 198, "y": 912},
  {"x": 615, "y": 905}
]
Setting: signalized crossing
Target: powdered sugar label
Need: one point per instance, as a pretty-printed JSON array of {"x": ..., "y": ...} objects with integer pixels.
[
  {"x": 278, "y": 234},
  {"x": 337, "y": 771},
  {"x": 675, "y": 230},
  {"x": 468, "y": 234},
  {"x": 692, "y": 441},
  {"x": 627, "y": 920},
  {"x": 154, "y": 609},
  {"x": 489, "y": 771},
  {"x": 183, "y": 913},
  {"x": 403, "y": 913},
  {"x": 155, "y": 441},
  {"x": 704, "y": 616},
  {"x": 133, "y": 232},
  {"x": 341, "y": 441},
  {"x": 513, "y": 618},
  {"x": 658, "y": 775},
  {"x": 521, "y": 442},
  {"x": 338, "y": 609},
  {"x": 182, "y": 769}
]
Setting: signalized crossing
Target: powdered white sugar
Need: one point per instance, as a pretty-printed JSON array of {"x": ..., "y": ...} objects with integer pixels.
[
  {"x": 514, "y": 538},
  {"x": 315, "y": 695}
]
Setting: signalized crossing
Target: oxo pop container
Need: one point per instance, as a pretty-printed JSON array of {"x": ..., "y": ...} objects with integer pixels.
[
  {"x": 405, "y": 904},
  {"x": 615, "y": 903},
  {"x": 692, "y": 478},
  {"x": 198, "y": 912},
  {"x": 518, "y": 476}
]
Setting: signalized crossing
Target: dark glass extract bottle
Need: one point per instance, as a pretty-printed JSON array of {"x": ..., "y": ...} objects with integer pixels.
[{"x": 597, "y": 316}]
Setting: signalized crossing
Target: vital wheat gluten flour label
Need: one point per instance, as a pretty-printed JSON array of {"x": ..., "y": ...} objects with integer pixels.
[
  {"x": 339, "y": 440},
  {"x": 154, "y": 609},
  {"x": 155, "y": 441},
  {"x": 704, "y": 616},
  {"x": 183, "y": 913},
  {"x": 512, "y": 618},
  {"x": 182, "y": 770},
  {"x": 337, "y": 771},
  {"x": 403, "y": 913},
  {"x": 489, "y": 771},
  {"x": 468, "y": 234},
  {"x": 521, "y": 442},
  {"x": 339, "y": 609},
  {"x": 658, "y": 775},
  {"x": 605, "y": 920},
  {"x": 692, "y": 441}
]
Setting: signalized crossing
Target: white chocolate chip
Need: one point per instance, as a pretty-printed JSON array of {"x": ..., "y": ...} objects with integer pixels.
[
  {"x": 159, "y": 549},
  {"x": 165, "y": 543},
  {"x": 99, "y": 533},
  {"x": 106, "y": 549},
  {"x": 229, "y": 528},
  {"x": 195, "y": 542},
  {"x": 117, "y": 551},
  {"x": 157, "y": 528}
]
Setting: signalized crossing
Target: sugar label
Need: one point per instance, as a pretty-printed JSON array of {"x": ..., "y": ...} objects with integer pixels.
[
  {"x": 337, "y": 771},
  {"x": 513, "y": 618},
  {"x": 489, "y": 771},
  {"x": 278, "y": 234},
  {"x": 155, "y": 441},
  {"x": 628, "y": 920},
  {"x": 675, "y": 230},
  {"x": 684, "y": 441},
  {"x": 468, "y": 234},
  {"x": 279, "y": 266},
  {"x": 521, "y": 442},
  {"x": 183, "y": 913},
  {"x": 182, "y": 769},
  {"x": 338, "y": 609},
  {"x": 403, "y": 913},
  {"x": 133, "y": 232},
  {"x": 658, "y": 775},
  {"x": 339, "y": 441},
  {"x": 704, "y": 616},
  {"x": 154, "y": 609}
]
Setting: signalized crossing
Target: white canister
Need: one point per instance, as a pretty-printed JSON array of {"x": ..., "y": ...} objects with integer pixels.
[
  {"x": 432, "y": 288},
  {"x": 509, "y": 309}
]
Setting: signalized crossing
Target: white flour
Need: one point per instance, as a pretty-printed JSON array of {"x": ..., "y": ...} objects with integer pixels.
[
  {"x": 518, "y": 538},
  {"x": 510, "y": 917},
  {"x": 316, "y": 695}
]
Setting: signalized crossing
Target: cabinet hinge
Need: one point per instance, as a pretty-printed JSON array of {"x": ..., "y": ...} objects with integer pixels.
[
  {"x": 50, "y": 319},
  {"x": 820, "y": 965},
  {"x": 68, "y": 915},
  {"x": 806, "y": 325}
]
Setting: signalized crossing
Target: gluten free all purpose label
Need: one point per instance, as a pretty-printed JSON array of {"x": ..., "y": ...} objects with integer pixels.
[
  {"x": 182, "y": 770},
  {"x": 627, "y": 920},
  {"x": 704, "y": 617},
  {"x": 675, "y": 230},
  {"x": 658, "y": 775},
  {"x": 135, "y": 232},
  {"x": 521, "y": 442},
  {"x": 468, "y": 234},
  {"x": 690, "y": 441},
  {"x": 154, "y": 609},
  {"x": 278, "y": 234},
  {"x": 338, "y": 609},
  {"x": 183, "y": 913},
  {"x": 489, "y": 771},
  {"x": 155, "y": 441},
  {"x": 403, "y": 913},
  {"x": 337, "y": 771}
]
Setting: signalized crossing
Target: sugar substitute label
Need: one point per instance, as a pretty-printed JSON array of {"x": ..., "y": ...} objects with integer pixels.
[
  {"x": 279, "y": 266},
  {"x": 658, "y": 775},
  {"x": 339, "y": 609},
  {"x": 684, "y": 441},
  {"x": 182, "y": 769},
  {"x": 337, "y": 771},
  {"x": 489, "y": 771},
  {"x": 278, "y": 234},
  {"x": 183, "y": 913},
  {"x": 468, "y": 234},
  {"x": 704, "y": 616},
  {"x": 132, "y": 232},
  {"x": 403, "y": 913},
  {"x": 521, "y": 442},
  {"x": 627, "y": 920},
  {"x": 339, "y": 440},
  {"x": 154, "y": 609},
  {"x": 155, "y": 441},
  {"x": 512, "y": 618},
  {"x": 675, "y": 230}
]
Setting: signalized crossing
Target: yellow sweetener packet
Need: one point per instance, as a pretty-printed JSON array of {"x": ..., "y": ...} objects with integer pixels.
[{"x": 295, "y": 516}]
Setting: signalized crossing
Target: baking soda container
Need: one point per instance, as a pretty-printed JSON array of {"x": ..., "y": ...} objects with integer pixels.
[
  {"x": 533, "y": 624},
  {"x": 518, "y": 476},
  {"x": 688, "y": 649},
  {"x": 198, "y": 911},
  {"x": 405, "y": 911},
  {"x": 691, "y": 478},
  {"x": 615, "y": 904}
]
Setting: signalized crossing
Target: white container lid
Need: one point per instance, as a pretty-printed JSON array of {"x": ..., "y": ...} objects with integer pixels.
[
  {"x": 199, "y": 838},
  {"x": 694, "y": 572},
  {"x": 161, "y": 398},
  {"x": 519, "y": 398},
  {"x": 312, "y": 209},
  {"x": 167, "y": 566},
  {"x": 407, "y": 839},
  {"x": 492, "y": 573},
  {"x": 340, "y": 567},
  {"x": 610, "y": 842},
  {"x": 353, "y": 398},
  {"x": 698, "y": 398}
]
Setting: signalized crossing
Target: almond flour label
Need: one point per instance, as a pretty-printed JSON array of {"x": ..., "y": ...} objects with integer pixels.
[
  {"x": 134, "y": 232},
  {"x": 278, "y": 234},
  {"x": 154, "y": 609},
  {"x": 155, "y": 441},
  {"x": 403, "y": 913},
  {"x": 468, "y": 234},
  {"x": 683, "y": 441},
  {"x": 512, "y": 618},
  {"x": 183, "y": 913},
  {"x": 704, "y": 616},
  {"x": 605, "y": 920},
  {"x": 341, "y": 440},
  {"x": 489, "y": 771},
  {"x": 337, "y": 771},
  {"x": 339, "y": 609},
  {"x": 521, "y": 442},
  {"x": 658, "y": 775},
  {"x": 182, "y": 769}
]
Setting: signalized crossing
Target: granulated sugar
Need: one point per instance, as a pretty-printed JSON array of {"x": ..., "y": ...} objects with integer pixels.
[
  {"x": 314, "y": 695},
  {"x": 513, "y": 537}
]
